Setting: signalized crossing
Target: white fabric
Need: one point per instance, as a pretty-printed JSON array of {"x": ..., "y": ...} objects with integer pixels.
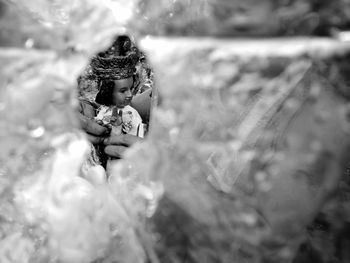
[{"x": 130, "y": 123}]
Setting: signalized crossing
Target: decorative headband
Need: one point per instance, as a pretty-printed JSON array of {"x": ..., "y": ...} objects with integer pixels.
[{"x": 113, "y": 66}]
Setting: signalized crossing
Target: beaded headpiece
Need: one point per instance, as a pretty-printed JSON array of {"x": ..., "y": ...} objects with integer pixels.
[{"x": 118, "y": 62}]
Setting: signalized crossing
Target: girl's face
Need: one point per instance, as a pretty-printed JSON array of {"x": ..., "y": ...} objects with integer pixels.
[{"x": 122, "y": 93}]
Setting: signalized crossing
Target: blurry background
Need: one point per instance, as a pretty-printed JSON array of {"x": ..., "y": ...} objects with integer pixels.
[{"x": 251, "y": 141}]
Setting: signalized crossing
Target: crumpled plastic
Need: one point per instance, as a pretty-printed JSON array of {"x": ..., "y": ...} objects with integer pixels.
[{"x": 55, "y": 207}]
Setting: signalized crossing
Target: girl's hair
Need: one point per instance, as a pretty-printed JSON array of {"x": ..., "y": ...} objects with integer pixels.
[{"x": 105, "y": 94}]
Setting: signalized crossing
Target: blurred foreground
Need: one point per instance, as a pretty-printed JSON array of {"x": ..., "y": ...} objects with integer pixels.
[{"x": 250, "y": 143}]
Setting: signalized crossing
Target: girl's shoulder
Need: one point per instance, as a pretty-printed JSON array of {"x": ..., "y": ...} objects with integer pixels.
[{"x": 130, "y": 110}]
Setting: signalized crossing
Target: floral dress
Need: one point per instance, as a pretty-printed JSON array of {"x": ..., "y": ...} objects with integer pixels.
[{"x": 121, "y": 120}]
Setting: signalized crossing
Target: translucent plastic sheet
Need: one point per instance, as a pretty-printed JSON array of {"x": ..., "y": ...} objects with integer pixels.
[
  {"x": 247, "y": 145},
  {"x": 55, "y": 207}
]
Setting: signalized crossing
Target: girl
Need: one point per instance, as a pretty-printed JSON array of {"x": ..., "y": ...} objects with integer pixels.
[
  {"x": 115, "y": 111},
  {"x": 115, "y": 70}
]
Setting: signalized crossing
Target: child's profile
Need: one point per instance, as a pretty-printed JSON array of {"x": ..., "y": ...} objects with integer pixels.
[
  {"x": 115, "y": 110},
  {"x": 116, "y": 84}
]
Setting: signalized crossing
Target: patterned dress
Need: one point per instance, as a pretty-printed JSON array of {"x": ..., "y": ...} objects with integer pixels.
[{"x": 121, "y": 120}]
